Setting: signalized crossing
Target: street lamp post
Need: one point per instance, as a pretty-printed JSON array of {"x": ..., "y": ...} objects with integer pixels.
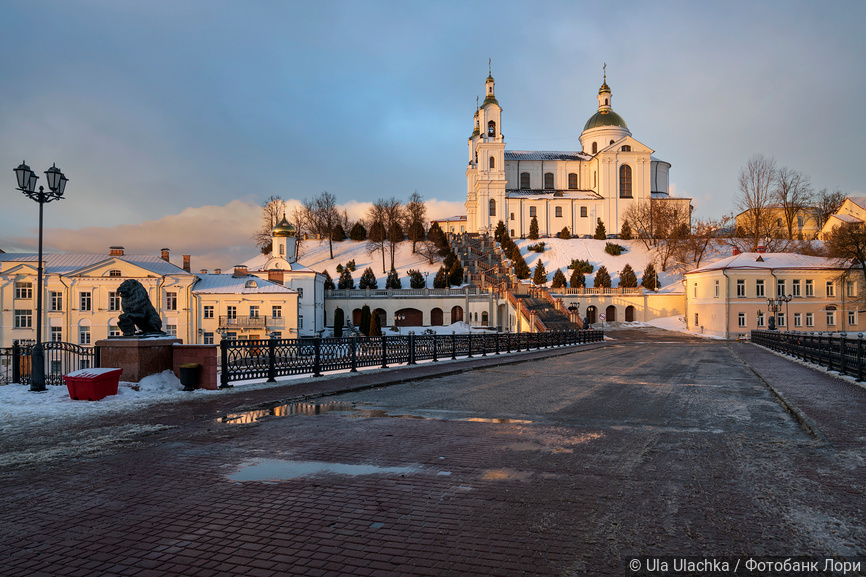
[
  {"x": 774, "y": 306},
  {"x": 56, "y": 181}
]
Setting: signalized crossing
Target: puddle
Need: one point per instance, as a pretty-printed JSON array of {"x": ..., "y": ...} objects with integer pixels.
[
  {"x": 506, "y": 475},
  {"x": 281, "y": 470}
]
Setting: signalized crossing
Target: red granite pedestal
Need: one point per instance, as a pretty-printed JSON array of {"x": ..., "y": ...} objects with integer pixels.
[{"x": 138, "y": 357}]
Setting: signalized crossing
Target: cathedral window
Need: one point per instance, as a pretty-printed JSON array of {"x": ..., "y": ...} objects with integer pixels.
[
  {"x": 558, "y": 210},
  {"x": 492, "y": 205},
  {"x": 625, "y": 181},
  {"x": 548, "y": 181},
  {"x": 524, "y": 180},
  {"x": 491, "y": 128},
  {"x": 572, "y": 181},
  {"x": 594, "y": 147},
  {"x": 492, "y": 163},
  {"x": 532, "y": 212},
  {"x": 626, "y": 148},
  {"x": 512, "y": 216},
  {"x": 605, "y": 102},
  {"x": 583, "y": 212}
]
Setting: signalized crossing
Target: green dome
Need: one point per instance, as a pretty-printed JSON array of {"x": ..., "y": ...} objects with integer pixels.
[
  {"x": 284, "y": 228},
  {"x": 605, "y": 118}
]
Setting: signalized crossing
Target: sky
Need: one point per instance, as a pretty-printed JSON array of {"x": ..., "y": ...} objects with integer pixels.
[{"x": 174, "y": 120}]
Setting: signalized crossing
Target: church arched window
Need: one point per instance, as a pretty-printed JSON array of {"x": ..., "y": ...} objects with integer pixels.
[
  {"x": 492, "y": 162},
  {"x": 524, "y": 180},
  {"x": 594, "y": 147},
  {"x": 611, "y": 141},
  {"x": 548, "y": 181},
  {"x": 282, "y": 250},
  {"x": 625, "y": 181},
  {"x": 626, "y": 148},
  {"x": 491, "y": 128},
  {"x": 605, "y": 102},
  {"x": 492, "y": 205},
  {"x": 572, "y": 181}
]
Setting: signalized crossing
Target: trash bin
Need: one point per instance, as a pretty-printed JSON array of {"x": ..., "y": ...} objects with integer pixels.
[
  {"x": 92, "y": 384},
  {"x": 189, "y": 376}
]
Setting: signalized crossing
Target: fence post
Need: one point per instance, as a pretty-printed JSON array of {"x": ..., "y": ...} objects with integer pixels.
[
  {"x": 483, "y": 345},
  {"x": 496, "y": 342},
  {"x": 508, "y": 342},
  {"x": 842, "y": 346},
  {"x": 317, "y": 359},
  {"x": 859, "y": 356},
  {"x": 453, "y": 346},
  {"x": 224, "y": 361},
  {"x": 470, "y": 344},
  {"x": 411, "y": 347},
  {"x": 384, "y": 353},
  {"x": 354, "y": 353},
  {"x": 272, "y": 358},
  {"x": 435, "y": 348},
  {"x": 16, "y": 362}
]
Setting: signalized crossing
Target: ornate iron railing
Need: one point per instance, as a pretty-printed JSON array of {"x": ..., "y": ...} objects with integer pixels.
[
  {"x": 835, "y": 351},
  {"x": 271, "y": 358},
  {"x": 60, "y": 359}
]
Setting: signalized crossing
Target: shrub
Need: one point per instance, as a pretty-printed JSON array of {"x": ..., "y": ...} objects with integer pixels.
[
  {"x": 558, "y": 280},
  {"x": 393, "y": 280},
  {"x": 650, "y": 279},
  {"x": 339, "y": 321},
  {"x": 600, "y": 231},
  {"x": 338, "y": 234},
  {"x": 368, "y": 279},
  {"x": 416, "y": 279},
  {"x": 565, "y": 233},
  {"x": 625, "y": 233},
  {"x": 329, "y": 282},
  {"x": 577, "y": 280},
  {"x": 358, "y": 232},
  {"x": 602, "y": 278},
  {"x": 539, "y": 277},
  {"x": 581, "y": 265},
  {"x": 614, "y": 249},
  {"x": 339, "y": 268},
  {"x": 351, "y": 265},
  {"x": 441, "y": 279},
  {"x": 365, "y": 320},
  {"x": 346, "y": 281},
  {"x": 627, "y": 277},
  {"x": 538, "y": 247}
]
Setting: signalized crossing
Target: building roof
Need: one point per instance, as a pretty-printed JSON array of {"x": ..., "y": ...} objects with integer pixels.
[
  {"x": 858, "y": 200},
  {"x": 258, "y": 262},
  {"x": 552, "y": 194},
  {"x": 450, "y": 219},
  {"x": 772, "y": 260},
  {"x": 284, "y": 228},
  {"x": 545, "y": 155},
  {"x": 230, "y": 284},
  {"x": 847, "y": 218},
  {"x": 65, "y": 263},
  {"x": 605, "y": 118}
]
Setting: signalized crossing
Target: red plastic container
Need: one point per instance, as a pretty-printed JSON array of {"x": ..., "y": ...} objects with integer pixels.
[{"x": 92, "y": 384}]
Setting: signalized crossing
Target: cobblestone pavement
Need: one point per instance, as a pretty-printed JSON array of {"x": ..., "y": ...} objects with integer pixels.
[{"x": 569, "y": 465}]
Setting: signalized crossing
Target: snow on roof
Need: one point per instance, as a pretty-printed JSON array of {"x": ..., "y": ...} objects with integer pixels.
[
  {"x": 771, "y": 260},
  {"x": 545, "y": 155},
  {"x": 850, "y": 219},
  {"x": 258, "y": 262},
  {"x": 66, "y": 263},
  {"x": 858, "y": 200},
  {"x": 552, "y": 194},
  {"x": 230, "y": 284},
  {"x": 450, "y": 219}
]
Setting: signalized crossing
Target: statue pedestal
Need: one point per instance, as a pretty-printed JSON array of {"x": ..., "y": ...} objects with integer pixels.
[{"x": 138, "y": 357}]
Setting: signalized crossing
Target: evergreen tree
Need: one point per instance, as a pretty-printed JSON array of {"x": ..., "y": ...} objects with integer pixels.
[
  {"x": 358, "y": 232},
  {"x": 393, "y": 281},
  {"x": 329, "y": 282},
  {"x": 578, "y": 279},
  {"x": 558, "y": 280},
  {"x": 650, "y": 279},
  {"x": 521, "y": 269},
  {"x": 627, "y": 277},
  {"x": 337, "y": 233},
  {"x": 455, "y": 274},
  {"x": 441, "y": 279},
  {"x": 376, "y": 232},
  {"x": 365, "y": 320},
  {"x": 499, "y": 232},
  {"x": 346, "y": 281},
  {"x": 449, "y": 260},
  {"x": 416, "y": 279},
  {"x": 375, "y": 325},
  {"x": 539, "y": 277},
  {"x": 339, "y": 321},
  {"x": 626, "y": 233},
  {"x": 565, "y": 233},
  {"x": 437, "y": 236},
  {"x": 600, "y": 231},
  {"x": 602, "y": 278},
  {"x": 533, "y": 229},
  {"x": 368, "y": 279}
]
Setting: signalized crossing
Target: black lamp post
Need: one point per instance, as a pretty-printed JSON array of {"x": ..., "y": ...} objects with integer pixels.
[
  {"x": 775, "y": 305},
  {"x": 56, "y": 185}
]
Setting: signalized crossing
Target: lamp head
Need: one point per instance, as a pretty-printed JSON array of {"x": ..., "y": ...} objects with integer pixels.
[{"x": 23, "y": 173}]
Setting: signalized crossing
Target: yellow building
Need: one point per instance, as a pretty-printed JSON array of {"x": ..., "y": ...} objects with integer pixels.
[
  {"x": 805, "y": 225},
  {"x": 852, "y": 211}
]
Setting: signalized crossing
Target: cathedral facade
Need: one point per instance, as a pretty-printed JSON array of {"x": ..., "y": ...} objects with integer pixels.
[{"x": 561, "y": 189}]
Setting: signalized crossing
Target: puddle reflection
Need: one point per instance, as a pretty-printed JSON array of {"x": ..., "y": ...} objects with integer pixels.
[{"x": 280, "y": 470}]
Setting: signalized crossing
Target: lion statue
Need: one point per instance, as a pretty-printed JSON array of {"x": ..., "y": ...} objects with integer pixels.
[{"x": 137, "y": 310}]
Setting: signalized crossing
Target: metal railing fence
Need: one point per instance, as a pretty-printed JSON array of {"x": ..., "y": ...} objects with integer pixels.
[
  {"x": 60, "y": 359},
  {"x": 834, "y": 351}
]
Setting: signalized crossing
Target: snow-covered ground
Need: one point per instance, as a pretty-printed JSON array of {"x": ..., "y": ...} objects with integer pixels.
[{"x": 675, "y": 323}]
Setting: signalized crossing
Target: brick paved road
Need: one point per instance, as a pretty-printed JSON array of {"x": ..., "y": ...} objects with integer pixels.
[{"x": 563, "y": 466}]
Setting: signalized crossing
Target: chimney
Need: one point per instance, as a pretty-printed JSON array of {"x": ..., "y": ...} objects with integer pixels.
[
  {"x": 165, "y": 254},
  {"x": 217, "y": 271},
  {"x": 762, "y": 249},
  {"x": 204, "y": 271},
  {"x": 735, "y": 252},
  {"x": 115, "y": 251},
  {"x": 186, "y": 262},
  {"x": 240, "y": 270}
]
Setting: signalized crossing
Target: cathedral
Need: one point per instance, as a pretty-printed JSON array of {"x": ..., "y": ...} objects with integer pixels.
[{"x": 561, "y": 189}]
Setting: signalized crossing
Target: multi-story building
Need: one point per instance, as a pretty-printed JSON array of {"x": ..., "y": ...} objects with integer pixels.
[
  {"x": 729, "y": 298},
  {"x": 852, "y": 212}
]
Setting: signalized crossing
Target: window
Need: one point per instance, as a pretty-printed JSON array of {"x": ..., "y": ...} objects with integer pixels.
[
  {"x": 55, "y": 301},
  {"x": 300, "y": 293},
  {"x": 831, "y": 318},
  {"x": 208, "y": 338},
  {"x": 524, "y": 180},
  {"x": 611, "y": 141},
  {"x": 512, "y": 216},
  {"x": 171, "y": 301},
  {"x": 492, "y": 205},
  {"x": 113, "y": 301},
  {"x": 583, "y": 212},
  {"x": 492, "y": 163},
  {"x": 760, "y": 320},
  {"x": 558, "y": 211},
  {"x": 780, "y": 319},
  {"x": 84, "y": 301},
  {"x": 696, "y": 319},
  {"x": 254, "y": 311},
  {"x": 491, "y": 128},
  {"x": 717, "y": 290},
  {"x": 55, "y": 334},
  {"x": 741, "y": 319},
  {"x": 800, "y": 221},
  {"x": 83, "y": 364},
  {"x": 626, "y": 148},
  {"x": 23, "y": 318},
  {"x": 83, "y": 335},
  {"x": 695, "y": 288},
  {"x": 277, "y": 311},
  {"x": 741, "y": 288},
  {"x": 278, "y": 334},
  {"x": 232, "y": 312},
  {"x": 572, "y": 181},
  {"x": 759, "y": 288},
  {"x": 852, "y": 317},
  {"x": 798, "y": 320},
  {"x": 23, "y": 290},
  {"x": 208, "y": 311},
  {"x": 810, "y": 322},
  {"x": 512, "y": 233},
  {"x": 251, "y": 284},
  {"x": 780, "y": 288},
  {"x": 851, "y": 289},
  {"x": 810, "y": 288},
  {"x": 795, "y": 287},
  {"x": 625, "y": 181},
  {"x": 113, "y": 331},
  {"x": 831, "y": 289},
  {"x": 300, "y": 322},
  {"x": 594, "y": 147},
  {"x": 171, "y": 330},
  {"x": 548, "y": 181},
  {"x": 531, "y": 211},
  {"x": 114, "y": 272},
  {"x": 282, "y": 249}
]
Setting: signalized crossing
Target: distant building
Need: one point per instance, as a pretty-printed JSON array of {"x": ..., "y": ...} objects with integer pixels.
[
  {"x": 805, "y": 225},
  {"x": 852, "y": 211},
  {"x": 452, "y": 224}
]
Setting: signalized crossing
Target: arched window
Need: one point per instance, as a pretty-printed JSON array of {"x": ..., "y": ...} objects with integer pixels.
[
  {"x": 594, "y": 147},
  {"x": 548, "y": 181},
  {"x": 114, "y": 272},
  {"x": 492, "y": 204},
  {"x": 626, "y": 148},
  {"x": 611, "y": 141},
  {"x": 572, "y": 181},
  {"x": 492, "y": 162},
  {"x": 491, "y": 128},
  {"x": 524, "y": 180},
  {"x": 605, "y": 102},
  {"x": 625, "y": 181},
  {"x": 484, "y": 318}
]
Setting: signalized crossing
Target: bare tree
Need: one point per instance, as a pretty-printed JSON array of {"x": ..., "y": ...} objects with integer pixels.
[
  {"x": 691, "y": 250},
  {"x": 793, "y": 193},
  {"x": 848, "y": 244},
  {"x": 416, "y": 215},
  {"x": 756, "y": 183},
  {"x": 298, "y": 219},
  {"x": 273, "y": 210},
  {"x": 323, "y": 217},
  {"x": 828, "y": 203}
]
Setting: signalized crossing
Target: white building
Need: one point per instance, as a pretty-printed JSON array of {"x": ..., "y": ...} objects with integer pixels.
[{"x": 568, "y": 189}]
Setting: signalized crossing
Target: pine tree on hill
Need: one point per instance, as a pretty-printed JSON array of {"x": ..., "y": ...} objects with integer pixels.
[
  {"x": 627, "y": 277},
  {"x": 338, "y": 234},
  {"x": 558, "y": 279},
  {"x": 440, "y": 281},
  {"x": 539, "y": 277},
  {"x": 650, "y": 279},
  {"x": 329, "y": 282},
  {"x": 346, "y": 281},
  {"x": 600, "y": 231},
  {"x": 439, "y": 239},
  {"x": 499, "y": 232},
  {"x": 365, "y": 320},
  {"x": 626, "y": 233},
  {"x": 358, "y": 232},
  {"x": 565, "y": 233},
  {"x": 521, "y": 269},
  {"x": 368, "y": 279},
  {"x": 416, "y": 279},
  {"x": 602, "y": 278},
  {"x": 533, "y": 229},
  {"x": 455, "y": 274},
  {"x": 578, "y": 279},
  {"x": 393, "y": 281}
]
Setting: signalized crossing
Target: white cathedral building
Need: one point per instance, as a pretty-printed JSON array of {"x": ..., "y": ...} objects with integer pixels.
[{"x": 574, "y": 189}]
